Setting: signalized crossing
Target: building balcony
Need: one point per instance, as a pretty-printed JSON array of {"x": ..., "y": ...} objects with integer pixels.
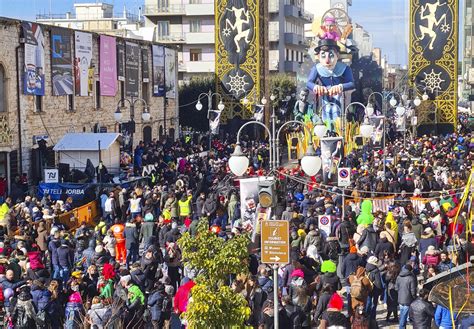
[
  {"x": 170, "y": 38},
  {"x": 197, "y": 67},
  {"x": 294, "y": 11},
  {"x": 273, "y": 35},
  {"x": 200, "y": 38},
  {"x": 203, "y": 9},
  {"x": 294, "y": 39},
  {"x": 292, "y": 66},
  {"x": 273, "y": 6},
  {"x": 171, "y": 10}
]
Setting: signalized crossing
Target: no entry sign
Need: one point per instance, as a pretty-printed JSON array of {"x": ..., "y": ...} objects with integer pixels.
[{"x": 343, "y": 177}]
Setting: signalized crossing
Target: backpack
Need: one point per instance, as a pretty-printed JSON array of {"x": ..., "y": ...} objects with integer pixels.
[{"x": 358, "y": 289}]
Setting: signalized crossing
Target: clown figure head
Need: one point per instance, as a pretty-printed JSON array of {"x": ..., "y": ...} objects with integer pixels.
[{"x": 328, "y": 53}]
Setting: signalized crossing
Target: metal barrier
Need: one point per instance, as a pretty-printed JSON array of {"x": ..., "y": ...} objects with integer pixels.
[{"x": 86, "y": 213}]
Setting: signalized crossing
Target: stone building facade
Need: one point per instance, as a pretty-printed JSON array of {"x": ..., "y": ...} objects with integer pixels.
[{"x": 26, "y": 118}]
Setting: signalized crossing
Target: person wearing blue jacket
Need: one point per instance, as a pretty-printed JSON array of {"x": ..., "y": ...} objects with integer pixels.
[{"x": 443, "y": 318}]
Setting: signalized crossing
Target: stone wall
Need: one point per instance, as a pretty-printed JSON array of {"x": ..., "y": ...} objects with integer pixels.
[{"x": 55, "y": 119}]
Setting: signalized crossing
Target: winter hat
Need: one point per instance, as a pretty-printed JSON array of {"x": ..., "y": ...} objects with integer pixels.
[
  {"x": 364, "y": 250},
  {"x": 149, "y": 217},
  {"x": 297, "y": 273},
  {"x": 428, "y": 230},
  {"x": 174, "y": 225},
  {"x": 99, "y": 249},
  {"x": 336, "y": 302},
  {"x": 373, "y": 260},
  {"x": 126, "y": 279},
  {"x": 353, "y": 250}
]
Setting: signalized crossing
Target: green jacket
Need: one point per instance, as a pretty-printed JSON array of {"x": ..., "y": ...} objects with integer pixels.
[
  {"x": 136, "y": 294},
  {"x": 108, "y": 290}
]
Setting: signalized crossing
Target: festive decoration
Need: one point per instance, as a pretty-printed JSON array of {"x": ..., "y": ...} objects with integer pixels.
[{"x": 329, "y": 79}]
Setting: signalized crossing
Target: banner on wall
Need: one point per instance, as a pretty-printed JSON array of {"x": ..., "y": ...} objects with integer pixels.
[
  {"x": 331, "y": 155},
  {"x": 238, "y": 66},
  {"x": 132, "y": 55},
  {"x": 120, "y": 62},
  {"x": 61, "y": 62},
  {"x": 434, "y": 58},
  {"x": 108, "y": 66},
  {"x": 82, "y": 62},
  {"x": 159, "y": 88},
  {"x": 33, "y": 73},
  {"x": 57, "y": 190},
  {"x": 170, "y": 73},
  {"x": 145, "y": 69}
]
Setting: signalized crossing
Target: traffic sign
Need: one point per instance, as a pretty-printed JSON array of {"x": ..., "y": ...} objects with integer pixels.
[
  {"x": 324, "y": 224},
  {"x": 343, "y": 177},
  {"x": 275, "y": 241}
]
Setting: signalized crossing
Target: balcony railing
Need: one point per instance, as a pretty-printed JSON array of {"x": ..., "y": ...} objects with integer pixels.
[
  {"x": 171, "y": 38},
  {"x": 164, "y": 10},
  {"x": 118, "y": 15}
]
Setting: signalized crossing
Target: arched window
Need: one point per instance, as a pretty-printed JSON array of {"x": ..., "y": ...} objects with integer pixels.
[
  {"x": 3, "y": 89},
  {"x": 147, "y": 134}
]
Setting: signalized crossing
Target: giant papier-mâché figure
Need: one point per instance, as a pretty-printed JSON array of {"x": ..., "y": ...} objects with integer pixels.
[{"x": 329, "y": 79}]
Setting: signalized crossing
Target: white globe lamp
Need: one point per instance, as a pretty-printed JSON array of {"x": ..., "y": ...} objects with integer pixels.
[
  {"x": 238, "y": 162},
  {"x": 425, "y": 96},
  {"x": 264, "y": 101},
  {"x": 400, "y": 110},
  {"x": 370, "y": 109},
  {"x": 366, "y": 130},
  {"x": 311, "y": 163},
  {"x": 393, "y": 101},
  {"x": 320, "y": 130},
  {"x": 146, "y": 116},
  {"x": 417, "y": 101},
  {"x": 199, "y": 106},
  {"x": 118, "y": 115},
  {"x": 221, "y": 106}
]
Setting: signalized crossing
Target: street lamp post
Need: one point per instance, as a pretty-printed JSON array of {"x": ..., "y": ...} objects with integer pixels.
[
  {"x": 118, "y": 115},
  {"x": 239, "y": 163},
  {"x": 220, "y": 107}
]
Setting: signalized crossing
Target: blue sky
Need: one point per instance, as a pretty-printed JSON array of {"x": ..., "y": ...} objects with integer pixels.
[{"x": 386, "y": 20}]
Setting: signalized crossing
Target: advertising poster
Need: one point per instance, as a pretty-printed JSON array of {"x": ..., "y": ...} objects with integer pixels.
[
  {"x": 108, "y": 66},
  {"x": 120, "y": 62},
  {"x": 61, "y": 62},
  {"x": 82, "y": 62},
  {"x": 158, "y": 71},
  {"x": 145, "y": 69},
  {"x": 331, "y": 155},
  {"x": 170, "y": 72},
  {"x": 33, "y": 73},
  {"x": 377, "y": 136},
  {"x": 132, "y": 57}
]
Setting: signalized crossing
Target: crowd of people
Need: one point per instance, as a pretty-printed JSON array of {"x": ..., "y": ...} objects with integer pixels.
[{"x": 127, "y": 267}]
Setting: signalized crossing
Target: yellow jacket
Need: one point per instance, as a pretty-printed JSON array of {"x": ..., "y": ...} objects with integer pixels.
[{"x": 393, "y": 223}]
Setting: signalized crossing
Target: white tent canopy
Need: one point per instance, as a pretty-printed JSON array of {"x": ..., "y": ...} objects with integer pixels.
[{"x": 75, "y": 148}]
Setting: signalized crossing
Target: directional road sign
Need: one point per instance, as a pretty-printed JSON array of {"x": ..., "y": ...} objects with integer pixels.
[{"x": 275, "y": 242}]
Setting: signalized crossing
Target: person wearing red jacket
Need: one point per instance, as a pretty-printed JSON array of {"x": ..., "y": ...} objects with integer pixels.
[{"x": 120, "y": 250}]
